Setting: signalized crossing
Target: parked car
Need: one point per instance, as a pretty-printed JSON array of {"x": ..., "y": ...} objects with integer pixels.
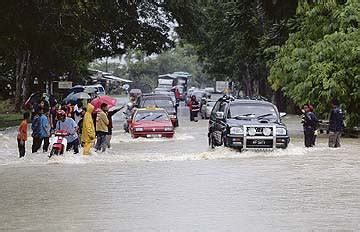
[
  {"x": 97, "y": 90},
  {"x": 161, "y": 101},
  {"x": 247, "y": 124},
  {"x": 200, "y": 94},
  {"x": 169, "y": 93},
  {"x": 206, "y": 108},
  {"x": 210, "y": 90},
  {"x": 151, "y": 123}
]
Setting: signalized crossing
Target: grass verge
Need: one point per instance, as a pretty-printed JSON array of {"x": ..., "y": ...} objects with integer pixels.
[{"x": 9, "y": 120}]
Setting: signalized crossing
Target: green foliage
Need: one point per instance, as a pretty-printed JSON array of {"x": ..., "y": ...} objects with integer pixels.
[
  {"x": 320, "y": 60},
  {"x": 231, "y": 36},
  {"x": 46, "y": 39}
]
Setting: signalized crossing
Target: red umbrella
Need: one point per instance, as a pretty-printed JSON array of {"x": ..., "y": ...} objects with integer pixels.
[{"x": 96, "y": 102}]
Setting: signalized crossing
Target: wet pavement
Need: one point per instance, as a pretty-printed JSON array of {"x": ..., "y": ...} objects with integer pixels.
[{"x": 181, "y": 184}]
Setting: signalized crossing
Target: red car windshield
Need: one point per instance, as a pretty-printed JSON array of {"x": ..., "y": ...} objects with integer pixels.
[{"x": 151, "y": 116}]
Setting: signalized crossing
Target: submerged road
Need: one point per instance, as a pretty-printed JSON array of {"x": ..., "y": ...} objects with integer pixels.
[{"x": 180, "y": 184}]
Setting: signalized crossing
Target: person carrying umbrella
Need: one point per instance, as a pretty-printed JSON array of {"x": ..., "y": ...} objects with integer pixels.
[
  {"x": 102, "y": 130},
  {"x": 88, "y": 130}
]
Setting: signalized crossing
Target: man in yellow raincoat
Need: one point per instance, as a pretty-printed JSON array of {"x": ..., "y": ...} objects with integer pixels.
[{"x": 88, "y": 131}]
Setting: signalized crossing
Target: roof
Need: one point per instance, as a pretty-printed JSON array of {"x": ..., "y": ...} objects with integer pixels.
[
  {"x": 168, "y": 75},
  {"x": 150, "y": 109},
  {"x": 115, "y": 78},
  {"x": 252, "y": 101},
  {"x": 155, "y": 95},
  {"x": 182, "y": 74},
  {"x": 109, "y": 76}
]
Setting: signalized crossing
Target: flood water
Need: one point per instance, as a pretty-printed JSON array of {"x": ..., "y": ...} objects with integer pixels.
[{"x": 180, "y": 184}]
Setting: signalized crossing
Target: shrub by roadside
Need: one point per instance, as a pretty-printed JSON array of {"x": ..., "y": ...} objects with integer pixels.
[{"x": 8, "y": 118}]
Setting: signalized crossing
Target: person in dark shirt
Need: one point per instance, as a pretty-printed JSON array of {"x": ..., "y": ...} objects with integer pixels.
[
  {"x": 310, "y": 122},
  {"x": 316, "y": 133},
  {"x": 336, "y": 124},
  {"x": 35, "y": 126},
  {"x": 194, "y": 107}
]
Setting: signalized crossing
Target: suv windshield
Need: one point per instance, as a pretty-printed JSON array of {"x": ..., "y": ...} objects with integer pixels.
[
  {"x": 253, "y": 110},
  {"x": 151, "y": 116}
]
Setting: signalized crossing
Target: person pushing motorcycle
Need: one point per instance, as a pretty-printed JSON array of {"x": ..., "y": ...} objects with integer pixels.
[{"x": 68, "y": 124}]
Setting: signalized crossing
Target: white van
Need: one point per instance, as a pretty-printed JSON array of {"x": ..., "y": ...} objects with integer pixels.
[{"x": 97, "y": 89}]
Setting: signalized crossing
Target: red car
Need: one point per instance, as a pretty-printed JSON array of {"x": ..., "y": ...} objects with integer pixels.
[{"x": 151, "y": 123}]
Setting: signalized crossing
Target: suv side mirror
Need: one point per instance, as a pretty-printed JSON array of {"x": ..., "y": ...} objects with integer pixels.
[
  {"x": 283, "y": 114},
  {"x": 220, "y": 115}
]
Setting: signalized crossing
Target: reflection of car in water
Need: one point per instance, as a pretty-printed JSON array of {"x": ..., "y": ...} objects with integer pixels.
[
  {"x": 247, "y": 124},
  {"x": 206, "y": 108},
  {"x": 161, "y": 101},
  {"x": 151, "y": 123}
]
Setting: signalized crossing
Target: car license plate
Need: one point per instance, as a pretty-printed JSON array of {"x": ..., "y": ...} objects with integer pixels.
[
  {"x": 154, "y": 136},
  {"x": 259, "y": 142}
]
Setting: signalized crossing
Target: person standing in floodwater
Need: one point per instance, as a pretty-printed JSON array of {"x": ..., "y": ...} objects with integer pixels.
[
  {"x": 316, "y": 133},
  {"x": 336, "y": 124},
  {"x": 88, "y": 131},
  {"x": 102, "y": 130},
  {"x": 194, "y": 107},
  {"x": 35, "y": 127},
  {"x": 309, "y": 125},
  {"x": 22, "y": 134},
  {"x": 44, "y": 130}
]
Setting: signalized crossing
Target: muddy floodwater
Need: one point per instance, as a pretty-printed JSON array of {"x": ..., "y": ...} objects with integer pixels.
[{"x": 181, "y": 184}]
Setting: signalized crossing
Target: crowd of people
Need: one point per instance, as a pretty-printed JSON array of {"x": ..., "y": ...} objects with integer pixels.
[{"x": 82, "y": 123}]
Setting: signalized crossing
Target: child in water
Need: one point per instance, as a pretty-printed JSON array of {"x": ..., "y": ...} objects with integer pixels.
[{"x": 22, "y": 134}]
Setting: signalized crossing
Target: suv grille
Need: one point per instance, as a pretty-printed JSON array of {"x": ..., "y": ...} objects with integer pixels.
[{"x": 259, "y": 131}]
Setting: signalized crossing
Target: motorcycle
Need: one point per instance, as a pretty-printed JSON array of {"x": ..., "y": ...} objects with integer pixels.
[{"x": 58, "y": 143}]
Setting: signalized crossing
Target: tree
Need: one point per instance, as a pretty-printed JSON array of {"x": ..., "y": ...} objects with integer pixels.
[
  {"x": 45, "y": 39},
  {"x": 320, "y": 60},
  {"x": 231, "y": 38}
]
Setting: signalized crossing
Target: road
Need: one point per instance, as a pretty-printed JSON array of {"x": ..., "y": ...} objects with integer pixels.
[{"x": 180, "y": 184}]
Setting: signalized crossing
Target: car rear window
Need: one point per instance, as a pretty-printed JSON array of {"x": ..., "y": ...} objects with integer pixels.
[{"x": 160, "y": 103}]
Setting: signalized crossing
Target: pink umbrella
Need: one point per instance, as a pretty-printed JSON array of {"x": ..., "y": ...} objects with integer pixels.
[{"x": 96, "y": 102}]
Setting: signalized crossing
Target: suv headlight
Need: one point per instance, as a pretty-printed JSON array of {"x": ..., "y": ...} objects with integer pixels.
[
  {"x": 236, "y": 130},
  {"x": 139, "y": 129},
  {"x": 267, "y": 131},
  {"x": 281, "y": 131},
  {"x": 168, "y": 129}
]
